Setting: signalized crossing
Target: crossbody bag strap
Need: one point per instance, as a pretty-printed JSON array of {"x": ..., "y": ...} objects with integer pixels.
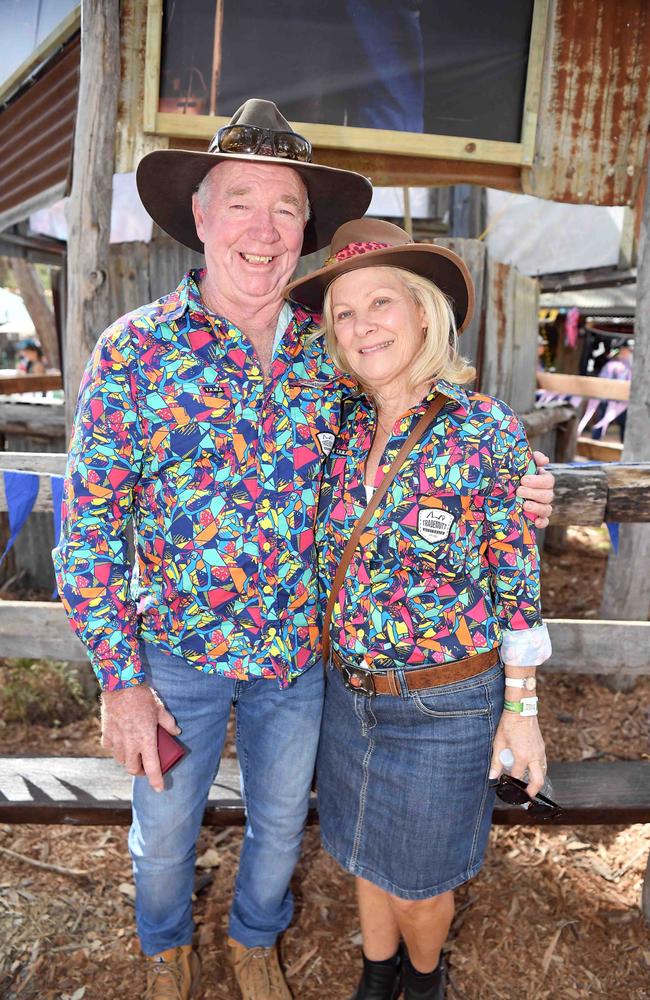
[{"x": 425, "y": 421}]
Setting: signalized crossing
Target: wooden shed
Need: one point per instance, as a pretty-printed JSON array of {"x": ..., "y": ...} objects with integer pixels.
[{"x": 96, "y": 95}]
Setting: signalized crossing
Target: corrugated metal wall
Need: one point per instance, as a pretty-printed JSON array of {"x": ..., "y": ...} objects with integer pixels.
[
  {"x": 37, "y": 130},
  {"x": 595, "y": 103}
]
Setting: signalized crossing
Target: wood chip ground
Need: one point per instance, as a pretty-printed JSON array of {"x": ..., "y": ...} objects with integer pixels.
[{"x": 554, "y": 913}]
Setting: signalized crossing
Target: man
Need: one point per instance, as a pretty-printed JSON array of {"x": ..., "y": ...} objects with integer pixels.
[{"x": 209, "y": 433}]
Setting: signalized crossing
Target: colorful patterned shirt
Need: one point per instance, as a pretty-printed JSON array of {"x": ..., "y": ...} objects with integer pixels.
[
  {"x": 448, "y": 565},
  {"x": 177, "y": 432}
]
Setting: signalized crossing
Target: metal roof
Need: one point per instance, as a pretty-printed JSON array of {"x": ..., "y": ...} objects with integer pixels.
[{"x": 37, "y": 132}]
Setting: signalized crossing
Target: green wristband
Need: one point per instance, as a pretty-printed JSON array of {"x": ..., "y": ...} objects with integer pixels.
[{"x": 527, "y": 706}]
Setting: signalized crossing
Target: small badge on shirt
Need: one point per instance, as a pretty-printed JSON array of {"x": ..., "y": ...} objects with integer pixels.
[
  {"x": 434, "y": 525},
  {"x": 326, "y": 439}
]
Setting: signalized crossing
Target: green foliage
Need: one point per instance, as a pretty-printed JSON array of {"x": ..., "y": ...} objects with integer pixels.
[{"x": 50, "y": 694}]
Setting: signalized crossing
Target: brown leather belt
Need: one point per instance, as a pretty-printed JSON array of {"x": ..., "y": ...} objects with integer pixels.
[{"x": 373, "y": 682}]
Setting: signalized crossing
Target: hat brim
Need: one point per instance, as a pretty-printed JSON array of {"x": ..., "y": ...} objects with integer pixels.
[
  {"x": 441, "y": 266},
  {"x": 167, "y": 178}
]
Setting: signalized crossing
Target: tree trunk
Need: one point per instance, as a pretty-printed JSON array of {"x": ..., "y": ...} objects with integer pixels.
[
  {"x": 33, "y": 295},
  {"x": 89, "y": 207}
]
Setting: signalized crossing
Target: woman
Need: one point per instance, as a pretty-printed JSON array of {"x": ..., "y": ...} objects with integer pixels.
[{"x": 444, "y": 577}]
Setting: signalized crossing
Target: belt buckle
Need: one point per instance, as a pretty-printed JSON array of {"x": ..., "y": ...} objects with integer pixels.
[{"x": 359, "y": 681}]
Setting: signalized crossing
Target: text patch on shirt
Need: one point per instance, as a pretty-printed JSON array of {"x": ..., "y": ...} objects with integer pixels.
[
  {"x": 326, "y": 441},
  {"x": 434, "y": 525}
]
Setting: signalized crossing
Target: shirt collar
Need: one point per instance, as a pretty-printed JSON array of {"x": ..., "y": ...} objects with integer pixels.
[
  {"x": 187, "y": 297},
  {"x": 453, "y": 392}
]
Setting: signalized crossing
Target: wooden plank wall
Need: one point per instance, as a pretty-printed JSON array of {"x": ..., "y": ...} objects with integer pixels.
[
  {"x": 140, "y": 273},
  {"x": 510, "y": 347},
  {"x": 474, "y": 253}
]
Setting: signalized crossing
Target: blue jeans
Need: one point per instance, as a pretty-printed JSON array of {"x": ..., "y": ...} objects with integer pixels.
[{"x": 277, "y": 736}]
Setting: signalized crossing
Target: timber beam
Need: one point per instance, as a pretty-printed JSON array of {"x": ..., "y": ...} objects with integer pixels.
[
  {"x": 592, "y": 494},
  {"x": 40, "y": 630},
  {"x": 584, "y": 494},
  {"x": 44, "y": 421}
]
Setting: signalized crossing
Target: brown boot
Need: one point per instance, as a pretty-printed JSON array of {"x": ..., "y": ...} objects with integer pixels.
[
  {"x": 173, "y": 974},
  {"x": 258, "y": 972}
]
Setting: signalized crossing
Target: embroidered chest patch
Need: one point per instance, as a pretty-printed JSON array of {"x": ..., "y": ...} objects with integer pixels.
[{"x": 434, "y": 525}]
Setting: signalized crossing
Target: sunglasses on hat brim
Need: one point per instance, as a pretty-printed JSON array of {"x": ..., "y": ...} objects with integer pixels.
[{"x": 250, "y": 139}]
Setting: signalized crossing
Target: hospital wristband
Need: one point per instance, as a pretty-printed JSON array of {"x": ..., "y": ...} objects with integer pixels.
[{"x": 526, "y": 706}]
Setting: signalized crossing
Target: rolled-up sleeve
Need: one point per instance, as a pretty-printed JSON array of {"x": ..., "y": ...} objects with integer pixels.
[
  {"x": 104, "y": 464},
  {"x": 512, "y": 552}
]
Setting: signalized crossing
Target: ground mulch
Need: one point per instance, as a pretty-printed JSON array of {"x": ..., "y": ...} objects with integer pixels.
[{"x": 554, "y": 913}]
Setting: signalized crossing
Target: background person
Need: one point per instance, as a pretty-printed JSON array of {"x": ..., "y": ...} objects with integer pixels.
[
  {"x": 30, "y": 359},
  {"x": 444, "y": 579},
  {"x": 618, "y": 366}
]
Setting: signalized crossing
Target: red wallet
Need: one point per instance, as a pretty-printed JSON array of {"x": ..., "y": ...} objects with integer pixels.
[{"x": 169, "y": 750}]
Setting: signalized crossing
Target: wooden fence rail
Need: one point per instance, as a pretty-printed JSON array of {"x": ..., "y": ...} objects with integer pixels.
[
  {"x": 584, "y": 494},
  {"x": 592, "y": 387},
  {"x": 23, "y": 382},
  {"x": 579, "y": 646}
]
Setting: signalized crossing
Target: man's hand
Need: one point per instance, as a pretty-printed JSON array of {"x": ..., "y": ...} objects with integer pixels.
[
  {"x": 537, "y": 491},
  {"x": 129, "y": 722}
]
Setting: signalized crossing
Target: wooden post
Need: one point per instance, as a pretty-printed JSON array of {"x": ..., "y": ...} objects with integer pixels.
[
  {"x": 408, "y": 219},
  {"x": 89, "y": 208},
  {"x": 626, "y": 594},
  {"x": 555, "y": 535},
  {"x": 33, "y": 295},
  {"x": 216, "y": 56}
]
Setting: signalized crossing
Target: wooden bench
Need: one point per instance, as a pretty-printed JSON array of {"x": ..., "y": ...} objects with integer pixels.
[{"x": 95, "y": 791}]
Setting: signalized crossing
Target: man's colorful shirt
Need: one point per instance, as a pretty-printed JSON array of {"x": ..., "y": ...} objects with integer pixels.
[
  {"x": 448, "y": 565},
  {"x": 177, "y": 433}
]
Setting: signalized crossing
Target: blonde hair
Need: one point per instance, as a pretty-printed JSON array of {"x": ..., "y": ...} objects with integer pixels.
[{"x": 438, "y": 358}]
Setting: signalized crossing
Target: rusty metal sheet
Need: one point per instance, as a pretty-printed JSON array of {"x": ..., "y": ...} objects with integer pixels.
[
  {"x": 37, "y": 130},
  {"x": 131, "y": 142},
  {"x": 595, "y": 103}
]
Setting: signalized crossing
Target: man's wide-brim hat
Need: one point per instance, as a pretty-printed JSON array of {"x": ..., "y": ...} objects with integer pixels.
[
  {"x": 167, "y": 178},
  {"x": 375, "y": 243}
]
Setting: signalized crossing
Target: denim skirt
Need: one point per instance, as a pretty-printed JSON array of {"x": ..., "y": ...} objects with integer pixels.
[{"x": 403, "y": 793}]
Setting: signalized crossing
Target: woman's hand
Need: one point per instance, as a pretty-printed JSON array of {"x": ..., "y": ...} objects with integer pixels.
[
  {"x": 521, "y": 734},
  {"x": 537, "y": 491}
]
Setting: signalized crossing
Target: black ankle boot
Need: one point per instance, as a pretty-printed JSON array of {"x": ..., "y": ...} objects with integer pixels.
[
  {"x": 379, "y": 980},
  {"x": 428, "y": 987}
]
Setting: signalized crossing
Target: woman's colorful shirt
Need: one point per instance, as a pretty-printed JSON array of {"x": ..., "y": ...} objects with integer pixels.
[
  {"x": 448, "y": 565},
  {"x": 177, "y": 433}
]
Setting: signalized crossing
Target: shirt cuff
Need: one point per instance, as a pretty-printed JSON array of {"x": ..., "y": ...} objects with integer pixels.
[
  {"x": 525, "y": 647},
  {"x": 115, "y": 675}
]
